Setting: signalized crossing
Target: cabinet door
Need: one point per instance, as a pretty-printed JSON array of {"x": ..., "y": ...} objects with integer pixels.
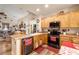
[
  {"x": 75, "y": 40},
  {"x": 40, "y": 39},
  {"x": 45, "y": 38},
  {"x": 64, "y": 39},
  {"x": 64, "y": 20},
  {"x": 47, "y": 23},
  {"x": 74, "y": 19},
  {"x": 43, "y": 23},
  {"x": 36, "y": 43},
  {"x": 77, "y": 19}
]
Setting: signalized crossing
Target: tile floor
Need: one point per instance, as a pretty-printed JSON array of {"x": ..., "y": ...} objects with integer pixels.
[
  {"x": 45, "y": 50},
  {"x": 66, "y": 49}
]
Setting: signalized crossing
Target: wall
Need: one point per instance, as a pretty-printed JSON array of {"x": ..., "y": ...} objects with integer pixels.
[{"x": 30, "y": 19}]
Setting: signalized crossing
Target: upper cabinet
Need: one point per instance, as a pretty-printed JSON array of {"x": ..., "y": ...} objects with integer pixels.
[
  {"x": 70, "y": 19},
  {"x": 42, "y": 23},
  {"x": 64, "y": 20},
  {"x": 74, "y": 19},
  {"x": 45, "y": 23}
]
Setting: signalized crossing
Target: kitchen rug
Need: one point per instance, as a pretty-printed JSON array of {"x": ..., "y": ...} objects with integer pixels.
[
  {"x": 68, "y": 51},
  {"x": 45, "y": 50},
  {"x": 68, "y": 44},
  {"x": 39, "y": 49}
]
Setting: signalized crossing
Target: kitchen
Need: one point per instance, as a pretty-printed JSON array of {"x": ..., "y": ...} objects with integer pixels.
[{"x": 41, "y": 29}]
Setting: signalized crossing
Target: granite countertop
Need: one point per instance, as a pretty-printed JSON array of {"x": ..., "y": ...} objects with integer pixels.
[
  {"x": 17, "y": 36},
  {"x": 69, "y": 35}
]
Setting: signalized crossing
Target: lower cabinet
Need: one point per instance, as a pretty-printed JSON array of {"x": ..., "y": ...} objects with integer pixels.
[
  {"x": 45, "y": 38},
  {"x": 40, "y": 40},
  {"x": 65, "y": 39},
  {"x": 75, "y": 40},
  {"x": 35, "y": 42},
  {"x": 72, "y": 39}
]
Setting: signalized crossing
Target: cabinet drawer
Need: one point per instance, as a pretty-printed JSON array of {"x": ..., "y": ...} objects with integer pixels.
[
  {"x": 75, "y": 40},
  {"x": 65, "y": 39}
]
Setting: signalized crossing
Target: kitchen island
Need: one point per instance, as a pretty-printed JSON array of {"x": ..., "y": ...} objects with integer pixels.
[{"x": 38, "y": 39}]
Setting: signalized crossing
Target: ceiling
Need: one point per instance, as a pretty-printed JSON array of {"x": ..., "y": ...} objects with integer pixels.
[{"x": 15, "y": 11}]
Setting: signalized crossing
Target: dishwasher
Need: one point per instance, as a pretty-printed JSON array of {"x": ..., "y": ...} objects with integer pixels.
[{"x": 27, "y": 45}]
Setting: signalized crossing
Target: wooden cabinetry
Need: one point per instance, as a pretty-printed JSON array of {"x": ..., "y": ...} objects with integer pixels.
[
  {"x": 69, "y": 38},
  {"x": 62, "y": 18},
  {"x": 74, "y": 19},
  {"x": 64, "y": 21},
  {"x": 36, "y": 42},
  {"x": 45, "y": 39},
  {"x": 65, "y": 39},
  {"x": 75, "y": 40},
  {"x": 40, "y": 40},
  {"x": 45, "y": 23},
  {"x": 70, "y": 19},
  {"x": 42, "y": 23}
]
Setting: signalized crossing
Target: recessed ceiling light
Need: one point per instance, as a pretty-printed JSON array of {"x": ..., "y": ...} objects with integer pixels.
[
  {"x": 46, "y": 6},
  {"x": 37, "y": 9}
]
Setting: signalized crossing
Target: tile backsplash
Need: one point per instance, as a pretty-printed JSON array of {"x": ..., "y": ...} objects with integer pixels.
[{"x": 71, "y": 30}]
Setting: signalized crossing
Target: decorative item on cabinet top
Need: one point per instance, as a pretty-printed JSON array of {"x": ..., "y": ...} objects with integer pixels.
[{"x": 61, "y": 13}]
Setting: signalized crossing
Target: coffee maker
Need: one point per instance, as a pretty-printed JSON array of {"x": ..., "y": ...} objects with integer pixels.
[{"x": 54, "y": 35}]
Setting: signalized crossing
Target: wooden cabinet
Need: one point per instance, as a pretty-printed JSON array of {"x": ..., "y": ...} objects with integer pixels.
[
  {"x": 70, "y": 19},
  {"x": 75, "y": 40},
  {"x": 74, "y": 19},
  {"x": 62, "y": 18},
  {"x": 69, "y": 38},
  {"x": 65, "y": 39},
  {"x": 36, "y": 42},
  {"x": 40, "y": 40},
  {"x": 45, "y": 38},
  {"x": 45, "y": 23},
  {"x": 42, "y": 23},
  {"x": 64, "y": 21}
]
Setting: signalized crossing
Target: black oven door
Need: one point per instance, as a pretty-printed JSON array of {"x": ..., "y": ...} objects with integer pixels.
[{"x": 54, "y": 41}]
